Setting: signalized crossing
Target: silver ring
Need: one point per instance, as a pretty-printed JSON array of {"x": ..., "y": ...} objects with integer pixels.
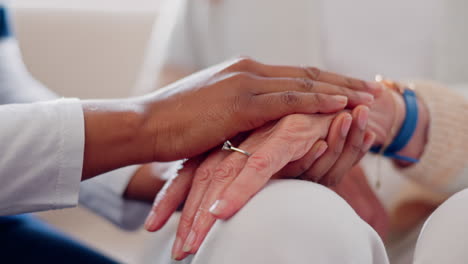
[{"x": 228, "y": 146}]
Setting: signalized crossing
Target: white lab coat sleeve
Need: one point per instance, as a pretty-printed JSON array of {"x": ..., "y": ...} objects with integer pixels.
[{"x": 42, "y": 146}]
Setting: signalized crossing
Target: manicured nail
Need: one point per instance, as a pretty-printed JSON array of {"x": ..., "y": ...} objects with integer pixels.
[
  {"x": 342, "y": 100},
  {"x": 346, "y": 125},
  {"x": 176, "y": 250},
  {"x": 368, "y": 141},
  {"x": 188, "y": 245},
  {"x": 321, "y": 149},
  {"x": 365, "y": 97},
  {"x": 374, "y": 86},
  {"x": 149, "y": 221},
  {"x": 218, "y": 207},
  {"x": 363, "y": 117}
]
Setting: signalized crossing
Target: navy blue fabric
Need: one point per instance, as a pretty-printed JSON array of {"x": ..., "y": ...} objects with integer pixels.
[
  {"x": 5, "y": 29},
  {"x": 26, "y": 239}
]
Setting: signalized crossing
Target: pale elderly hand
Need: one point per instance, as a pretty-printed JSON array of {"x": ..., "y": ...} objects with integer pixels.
[{"x": 292, "y": 147}]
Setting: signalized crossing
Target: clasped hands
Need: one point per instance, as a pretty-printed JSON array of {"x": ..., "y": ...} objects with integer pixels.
[{"x": 320, "y": 143}]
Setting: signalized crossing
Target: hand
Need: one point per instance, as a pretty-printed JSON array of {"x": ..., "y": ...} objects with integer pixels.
[
  {"x": 201, "y": 111},
  {"x": 290, "y": 141},
  {"x": 355, "y": 189}
]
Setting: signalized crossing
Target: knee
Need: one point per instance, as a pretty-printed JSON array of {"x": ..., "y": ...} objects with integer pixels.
[
  {"x": 444, "y": 235},
  {"x": 289, "y": 207},
  {"x": 289, "y": 219}
]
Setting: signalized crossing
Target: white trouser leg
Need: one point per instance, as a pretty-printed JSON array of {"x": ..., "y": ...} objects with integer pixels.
[
  {"x": 293, "y": 222},
  {"x": 444, "y": 238}
]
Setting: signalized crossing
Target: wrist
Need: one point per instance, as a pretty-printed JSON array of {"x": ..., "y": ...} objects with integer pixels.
[
  {"x": 393, "y": 111},
  {"x": 403, "y": 134},
  {"x": 114, "y": 135},
  {"x": 415, "y": 147}
]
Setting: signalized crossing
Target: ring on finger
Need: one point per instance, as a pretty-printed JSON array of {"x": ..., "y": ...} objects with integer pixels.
[{"x": 229, "y": 147}]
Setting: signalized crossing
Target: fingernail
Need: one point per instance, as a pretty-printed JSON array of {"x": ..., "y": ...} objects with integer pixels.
[
  {"x": 374, "y": 86},
  {"x": 342, "y": 100},
  {"x": 321, "y": 149},
  {"x": 363, "y": 117},
  {"x": 365, "y": 97},
  {"x": 218, "y": 207},
  {"x": 177, "y": 248},
  {"x": 189, "y": 242},
  {"x": 149, "y": 221},
  {"x": 368, "y": 141},
  {"x": 346, "y": 125}
]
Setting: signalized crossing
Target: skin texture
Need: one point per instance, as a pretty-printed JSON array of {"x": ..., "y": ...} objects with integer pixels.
[
  {"x": 279, "y": 149},
  {"x": 197, "y": 113},
  {"x": 337, "y": 160}
]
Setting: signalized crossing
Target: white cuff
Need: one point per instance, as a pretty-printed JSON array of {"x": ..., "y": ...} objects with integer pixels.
[
  {"x": 42, "y": 155},
  {"x": 71, "y": 152}
]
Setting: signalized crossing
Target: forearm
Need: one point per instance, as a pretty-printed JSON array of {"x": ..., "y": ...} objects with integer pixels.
[{"x": 116, "y": 135}]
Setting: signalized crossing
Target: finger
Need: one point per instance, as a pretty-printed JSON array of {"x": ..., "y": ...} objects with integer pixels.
[
  {"x": 245, "y": 64},
  {"x": 369, "y": 140},
  {"x": 171, "y": 195},
  {"x": 273, "y": 155},
  {"x": 267, "y": 107},
  {"x": 352, "y": 149},
  {"x": 224, "y": 174},
  {"x": 336, "y": 140},
  {"x": 265, "y": 85},
  {"x": 200, "y": 183},
  {"x": 317, "y": 74},
  {"x": 298, "y": 167}
]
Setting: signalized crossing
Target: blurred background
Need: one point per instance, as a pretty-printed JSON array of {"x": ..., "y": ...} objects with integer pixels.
[{"x": 88, "y": 49}]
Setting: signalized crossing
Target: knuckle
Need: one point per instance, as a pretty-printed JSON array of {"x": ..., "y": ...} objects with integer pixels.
[
  {"x": 306, "y": 84},
  {"x": 287, "y": 134},
  {"x": 185, "y": 223},
  {"x": 319, "y": 98},
  {"x": 294, "y": 123},
  {"x": 200, "y": 215},
  {"x": 203, "y": 175},
  {"x": 244, "y": 62},
  {"x": 290, "y": 98},
  {"x": 289, "y": 131},
  {"x": 259, "y": 162},
  {"x": 343, "y": 91},
  {"x": 355, "y": 148},
  {"x": 313, "y": 73},
  {"x": 222, "y": 173}
]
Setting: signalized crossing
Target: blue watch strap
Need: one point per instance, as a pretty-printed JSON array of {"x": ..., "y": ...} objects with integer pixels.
[
  {"x": 407, "y": 129},
  {"x": 5, "y": 30}
]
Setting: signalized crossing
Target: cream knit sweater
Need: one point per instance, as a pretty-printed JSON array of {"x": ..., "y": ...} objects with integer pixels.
[{"x": 444, "y": 163}]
